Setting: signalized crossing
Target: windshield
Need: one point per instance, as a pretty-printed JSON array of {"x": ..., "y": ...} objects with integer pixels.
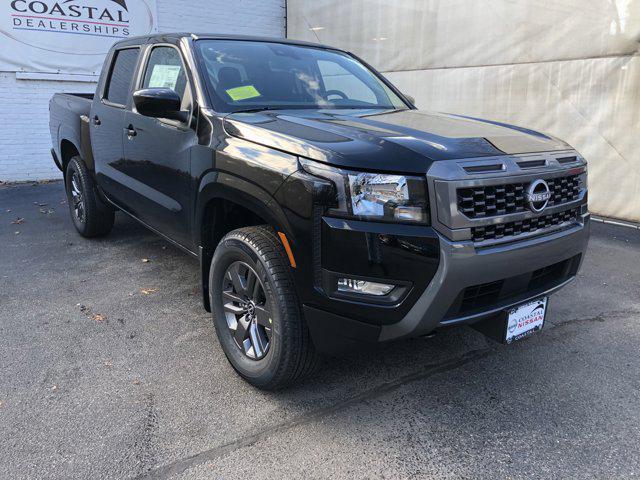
[{"x": 243, "y": 75}]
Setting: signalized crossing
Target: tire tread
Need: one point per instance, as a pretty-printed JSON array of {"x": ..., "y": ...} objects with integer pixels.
[
  {"x": 99, "y": 217},
  {"x": 300, "y": 357}
]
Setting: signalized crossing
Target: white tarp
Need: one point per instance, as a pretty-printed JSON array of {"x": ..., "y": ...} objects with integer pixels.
[
  {"x": 68, "y": 36},
  {"x": 567, "y": 67}
]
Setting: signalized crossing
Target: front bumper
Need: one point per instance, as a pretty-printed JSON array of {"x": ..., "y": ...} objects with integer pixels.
[
  {"x": 462, "y": 265},
  {"x": 462, "y": 269},
  {"x": 519, "y": 271}
]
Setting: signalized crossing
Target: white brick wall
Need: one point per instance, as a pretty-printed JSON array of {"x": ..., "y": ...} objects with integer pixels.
[
  {"x": 24, "y": 126},
  {"x": 24, "y": 114}
]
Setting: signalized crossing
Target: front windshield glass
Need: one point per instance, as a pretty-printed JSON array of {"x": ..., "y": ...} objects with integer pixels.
[{"x": 245, "y": 75}]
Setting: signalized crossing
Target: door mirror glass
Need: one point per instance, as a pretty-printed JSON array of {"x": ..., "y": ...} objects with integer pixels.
[{"x": 158, "y": 103}]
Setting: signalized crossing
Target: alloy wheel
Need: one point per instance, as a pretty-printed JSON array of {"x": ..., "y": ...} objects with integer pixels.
[
  {"x": 246, "y": 310},
  {"x": 77, "y": 198}
]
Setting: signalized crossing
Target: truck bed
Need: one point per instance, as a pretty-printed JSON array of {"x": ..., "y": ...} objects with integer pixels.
[{"x": 72, "y": 101}]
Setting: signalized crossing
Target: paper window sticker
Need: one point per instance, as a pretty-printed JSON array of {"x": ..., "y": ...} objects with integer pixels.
[
  {"x": 164, "y": 76},
  {"x": 243, "y": 93}
]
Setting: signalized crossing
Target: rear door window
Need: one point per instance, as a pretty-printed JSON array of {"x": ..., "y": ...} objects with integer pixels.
[{"x": 119, "y": 84}]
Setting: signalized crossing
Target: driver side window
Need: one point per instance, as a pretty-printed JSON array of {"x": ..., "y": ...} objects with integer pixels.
[
  {"x": 336, "y": 78},
  {"x": 165, "y": 70}
]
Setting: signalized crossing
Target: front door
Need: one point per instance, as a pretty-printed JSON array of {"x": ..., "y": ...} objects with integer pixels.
[{"x": 157, "y": 151}]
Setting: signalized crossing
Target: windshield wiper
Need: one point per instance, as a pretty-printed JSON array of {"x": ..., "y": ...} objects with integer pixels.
[
  {"x": 258, "y": 109},
  {"x": 314, "y": 107}
]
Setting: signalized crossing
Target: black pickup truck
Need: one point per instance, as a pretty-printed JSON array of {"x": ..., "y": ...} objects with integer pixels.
[{"x": 327, "y": 212}]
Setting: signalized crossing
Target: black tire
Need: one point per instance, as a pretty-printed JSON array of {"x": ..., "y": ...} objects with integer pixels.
[
  {"x": 290, "y": 354},
  {"x": 90, "y": 215}
]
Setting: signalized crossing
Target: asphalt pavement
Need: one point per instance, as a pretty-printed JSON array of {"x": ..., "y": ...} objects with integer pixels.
[{"x": 110, "y": 369}]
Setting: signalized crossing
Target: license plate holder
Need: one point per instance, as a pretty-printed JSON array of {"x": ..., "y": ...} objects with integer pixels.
[{"x": 525, "y": 319}]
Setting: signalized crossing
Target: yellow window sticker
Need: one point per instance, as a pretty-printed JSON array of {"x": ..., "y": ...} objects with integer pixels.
[{"x": 242, "y": 93}]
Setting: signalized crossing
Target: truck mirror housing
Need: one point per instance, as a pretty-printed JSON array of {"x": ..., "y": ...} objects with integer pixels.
[{"x": 158, "y": 103}]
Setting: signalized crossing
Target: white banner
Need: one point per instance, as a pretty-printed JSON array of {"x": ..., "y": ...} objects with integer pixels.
[{"x": 68, "y": 36}]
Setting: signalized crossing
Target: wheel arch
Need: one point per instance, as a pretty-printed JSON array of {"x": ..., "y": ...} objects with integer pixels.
[
  {"x": 224, "y": 203},
  {"x": 68, "y": 150},
  {"x": 76, "y": 140}
]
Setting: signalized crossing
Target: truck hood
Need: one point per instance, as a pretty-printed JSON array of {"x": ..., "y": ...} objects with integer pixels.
[{"x": 405, "y": 141}]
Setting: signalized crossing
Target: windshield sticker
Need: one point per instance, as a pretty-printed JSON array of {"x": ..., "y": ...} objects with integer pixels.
[
  {"x": 164, "y": 76},
  {"x": 242, "y": 93}
]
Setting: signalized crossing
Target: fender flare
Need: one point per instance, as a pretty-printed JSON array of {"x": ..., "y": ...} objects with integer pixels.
[
  {"x": 71, "y": 135},
  {"x": 224, "y": 186},
  {"x": 80, "y": 139}
]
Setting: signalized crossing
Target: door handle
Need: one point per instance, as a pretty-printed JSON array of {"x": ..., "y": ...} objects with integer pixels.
[
  {"x": 131, "y": 131},
  {"x": 96, "y": 120}
]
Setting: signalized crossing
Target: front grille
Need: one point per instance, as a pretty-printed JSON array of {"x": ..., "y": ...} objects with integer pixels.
[
  {"x": 495, "y": 232},
  {"x": 490, "y": 201},
  {"x": 479, "y": 296},
  {"x": 476, "y": 298},
  {"x": 547, "y": 275},
  {"x": 564, "y": 189}
]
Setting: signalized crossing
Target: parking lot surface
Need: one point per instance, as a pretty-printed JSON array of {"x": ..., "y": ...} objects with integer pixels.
[{"x": 110, "y": 369}]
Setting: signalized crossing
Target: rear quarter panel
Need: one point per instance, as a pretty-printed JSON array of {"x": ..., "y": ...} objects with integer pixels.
[{"x": 67, "y": 114}]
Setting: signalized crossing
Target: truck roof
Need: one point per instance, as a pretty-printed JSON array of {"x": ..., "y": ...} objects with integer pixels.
[{"x": 159, "y": 37}]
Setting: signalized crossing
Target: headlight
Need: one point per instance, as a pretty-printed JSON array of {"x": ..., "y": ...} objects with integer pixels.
[{"x": 375, "y": 196}]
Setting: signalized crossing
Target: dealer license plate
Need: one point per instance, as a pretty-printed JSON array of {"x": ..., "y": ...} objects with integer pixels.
[{"x": 525, "y": 319}]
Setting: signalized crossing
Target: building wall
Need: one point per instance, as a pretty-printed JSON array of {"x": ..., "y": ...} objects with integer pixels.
[
  {"x": 24, "y": 115},
  {"x": 567, "y": 67}
]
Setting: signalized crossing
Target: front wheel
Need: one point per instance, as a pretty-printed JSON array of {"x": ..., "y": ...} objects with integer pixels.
[
  {"x": 90, "y": 215},
  {"x": 256, "y": 312}
]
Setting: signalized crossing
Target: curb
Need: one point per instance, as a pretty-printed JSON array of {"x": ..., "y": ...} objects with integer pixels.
[{"x": 618, "y": 223}]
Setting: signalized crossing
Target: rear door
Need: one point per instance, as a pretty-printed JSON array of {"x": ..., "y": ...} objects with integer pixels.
[
  {"x": 157, "y": 151},
  {"x": 107, "y": 117}
]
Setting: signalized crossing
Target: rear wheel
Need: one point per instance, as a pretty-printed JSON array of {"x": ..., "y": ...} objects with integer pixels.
[
  {"x": 256, "y": 312},
  {"x": 90, "y": 215}
]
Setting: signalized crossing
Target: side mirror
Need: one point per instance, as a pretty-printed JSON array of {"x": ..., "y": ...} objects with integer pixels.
[
  {"x": 410, "y": 98},
  {"x": 158, "y": 103}
]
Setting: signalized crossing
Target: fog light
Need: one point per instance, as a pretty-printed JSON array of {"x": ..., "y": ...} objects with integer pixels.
[
  {"x": 411, "y": 214},
  {"x": 351, "y": 285}
]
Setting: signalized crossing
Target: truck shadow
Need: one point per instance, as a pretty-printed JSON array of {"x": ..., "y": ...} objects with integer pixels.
[
  {"x": 377, "y": 363},
  {"x": 362, "y": 374}
]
